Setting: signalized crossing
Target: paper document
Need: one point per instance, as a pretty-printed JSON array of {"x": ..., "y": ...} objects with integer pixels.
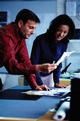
[
  {"x": 64, "y": 56},
  {"x": 52, "y": 92}
]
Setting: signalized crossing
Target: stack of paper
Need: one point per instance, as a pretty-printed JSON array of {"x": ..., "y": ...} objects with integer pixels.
[
  {"x": 64, "y": 56},
  {"x": 52, "y": 92}
]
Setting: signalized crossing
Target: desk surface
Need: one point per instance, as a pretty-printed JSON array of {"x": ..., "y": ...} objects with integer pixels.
[
  {"x": 23, "y": 107},
  {"x": 47, "y": 117}
]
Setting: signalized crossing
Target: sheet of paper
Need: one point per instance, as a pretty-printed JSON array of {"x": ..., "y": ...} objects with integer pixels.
[
  {"x": 52, "y": 92},
  {"x": 64, "y": 56}
]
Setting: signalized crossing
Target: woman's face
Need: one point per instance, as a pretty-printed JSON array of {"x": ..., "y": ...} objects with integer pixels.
[{"x": 61, "y": 32}]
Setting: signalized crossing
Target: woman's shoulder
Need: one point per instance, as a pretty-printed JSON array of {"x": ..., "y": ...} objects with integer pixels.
[{"x": 41, "y": 36}]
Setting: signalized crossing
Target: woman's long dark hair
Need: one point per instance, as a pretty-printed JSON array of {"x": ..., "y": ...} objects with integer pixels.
[{"x": 61, "y": 20}]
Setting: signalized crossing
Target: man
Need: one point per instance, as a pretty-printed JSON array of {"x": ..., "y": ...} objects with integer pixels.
[{"x": 13, "y": 52}]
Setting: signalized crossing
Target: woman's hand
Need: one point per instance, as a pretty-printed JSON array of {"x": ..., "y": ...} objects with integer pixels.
[{"x": 60, "y": 85}]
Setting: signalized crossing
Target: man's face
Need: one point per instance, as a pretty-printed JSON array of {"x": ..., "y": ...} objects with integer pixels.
[{"x": 27, "y": 29}]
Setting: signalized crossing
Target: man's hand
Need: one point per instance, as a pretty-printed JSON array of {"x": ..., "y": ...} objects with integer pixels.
[
  {"x": 42, "y": 87},
  {"x": 46, "y": 67}
]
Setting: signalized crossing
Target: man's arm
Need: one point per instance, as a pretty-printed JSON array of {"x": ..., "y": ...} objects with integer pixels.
[
  {"x": 35, "y": 58},
  {"x": 9, "y": 59},
  {"x": 13, "y": 65}
]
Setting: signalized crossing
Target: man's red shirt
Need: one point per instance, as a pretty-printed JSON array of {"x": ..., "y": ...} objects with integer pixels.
[{"x": 14, "y": 54}]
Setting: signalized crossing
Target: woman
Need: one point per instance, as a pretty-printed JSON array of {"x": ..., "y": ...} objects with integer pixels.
[{"x": 49, "y": 47}]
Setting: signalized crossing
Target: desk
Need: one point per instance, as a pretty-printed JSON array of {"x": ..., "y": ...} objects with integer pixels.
[
  {"x": 48, "y": 117},
  {"x": 15, "y": 106},
  {"x": 65, "y": 81}
]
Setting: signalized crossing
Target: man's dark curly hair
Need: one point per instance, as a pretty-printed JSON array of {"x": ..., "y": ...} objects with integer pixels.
[{"x": 26, "y": 15}]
